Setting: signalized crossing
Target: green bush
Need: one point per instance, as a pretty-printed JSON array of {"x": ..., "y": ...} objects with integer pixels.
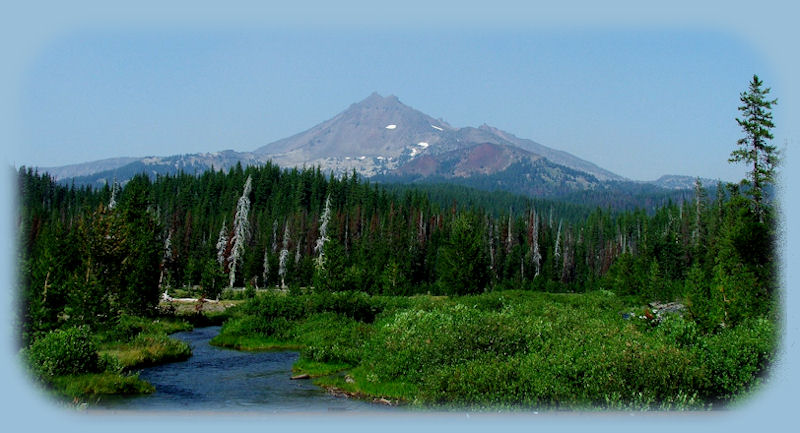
[
  {"x": 356, "y": 305},
  {"x": 257, "y": 326},
  {"x": 109, "y": 364},
  {"x": 542, "y": 350},
  {"x": 413, "y": 342},
  {"x": 735, "y": 358},
  {"x": 487, "y": 380},
  {"x": 272, "y": 305},
  {"x": 492, "y": 301},
  {"x": 330, "y": 337},
  {"x": 677, "y": 330},
  {"x": 63, "y": 352},
  {"x": 126, "y": 328}
]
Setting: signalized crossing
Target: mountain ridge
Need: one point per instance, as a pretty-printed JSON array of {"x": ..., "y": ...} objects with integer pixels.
[{"x": 377, "y": 136}]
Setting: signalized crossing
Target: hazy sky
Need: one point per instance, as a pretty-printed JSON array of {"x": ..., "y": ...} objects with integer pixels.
[{"x": 641, "y": 103}]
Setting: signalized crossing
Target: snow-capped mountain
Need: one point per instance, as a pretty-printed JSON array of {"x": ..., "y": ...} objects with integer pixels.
[
  {"x": 371, "y": 136},
  {"x": 381, "y": 134},
  {"x": 383, "y": 138}
]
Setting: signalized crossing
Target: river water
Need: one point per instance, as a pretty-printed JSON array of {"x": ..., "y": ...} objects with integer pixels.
[{"x": 225, "y": 380}]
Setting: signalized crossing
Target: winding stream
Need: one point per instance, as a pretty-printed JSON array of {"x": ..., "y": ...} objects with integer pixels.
[{"x": 217, "y": 379}]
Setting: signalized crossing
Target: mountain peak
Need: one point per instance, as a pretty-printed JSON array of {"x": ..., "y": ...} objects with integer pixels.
[
  {"x": 374, "y": 96},
  {"x": 378, "y": 127},
  {"x": 376, "y": 99},
  {"x": 380, "y": 133}
]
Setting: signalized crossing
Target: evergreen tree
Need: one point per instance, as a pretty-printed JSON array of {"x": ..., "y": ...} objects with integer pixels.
[
  {"x": 333, "y": 276},
  {"x": 754, "y": 147},
  {"x": 138, "y": 283},
  {"x": 463, "y": 266},
  {"x": 698, "y": 230}
]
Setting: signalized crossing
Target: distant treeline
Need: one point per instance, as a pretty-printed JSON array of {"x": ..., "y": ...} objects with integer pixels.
[{"x": 523, "y": 180}]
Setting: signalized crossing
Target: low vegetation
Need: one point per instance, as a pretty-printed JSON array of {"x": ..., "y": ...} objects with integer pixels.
[
  {"x": 81, "y": 363},
  {"x": 509, "y": 349}
]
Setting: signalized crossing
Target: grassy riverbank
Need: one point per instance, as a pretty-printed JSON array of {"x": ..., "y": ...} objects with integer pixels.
[
  {"x": 507, "y": 349},
  {"x": 137, "y": 342},
  {"x": 86, "y": 364},
  {"x": 82, "y": 365}
]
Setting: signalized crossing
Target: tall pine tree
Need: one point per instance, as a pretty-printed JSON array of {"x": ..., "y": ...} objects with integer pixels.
[{"x": 754, "y": 148}]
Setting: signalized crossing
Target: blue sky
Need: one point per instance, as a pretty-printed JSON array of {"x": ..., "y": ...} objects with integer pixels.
[
  {"x": 638, "y": 102},
  {"x": 641, "y": 89}
]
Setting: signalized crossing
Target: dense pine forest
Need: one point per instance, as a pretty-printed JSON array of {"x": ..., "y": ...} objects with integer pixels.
[
  {"x": 87, "y": 253},
  {"x": 387, "y": 282}
]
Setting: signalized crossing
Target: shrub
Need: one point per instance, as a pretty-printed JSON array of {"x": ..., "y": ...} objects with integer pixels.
[
  {"x": 330, "y": 337},
  {"x": 486, "y": 380},
  {"x": 677, "y": 330},
  {"x": 413, "y": 341},
  {"x": 356, "y": 305},
  {"x": 735, "y": 358},
  {"x": 272, "y": 305},
  {"x": 249, "y": 291},
  {"x": 126, "y": 328},
  {"x": 257, "y": 325},
  {"x": 110, "y": 364},
  {"x": 63, "y": 352}
]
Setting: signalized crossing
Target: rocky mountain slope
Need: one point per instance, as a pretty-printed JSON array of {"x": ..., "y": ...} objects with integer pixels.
[
  {"x": 381, "y": 134},
  {"x": 383, "y": 138}
]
